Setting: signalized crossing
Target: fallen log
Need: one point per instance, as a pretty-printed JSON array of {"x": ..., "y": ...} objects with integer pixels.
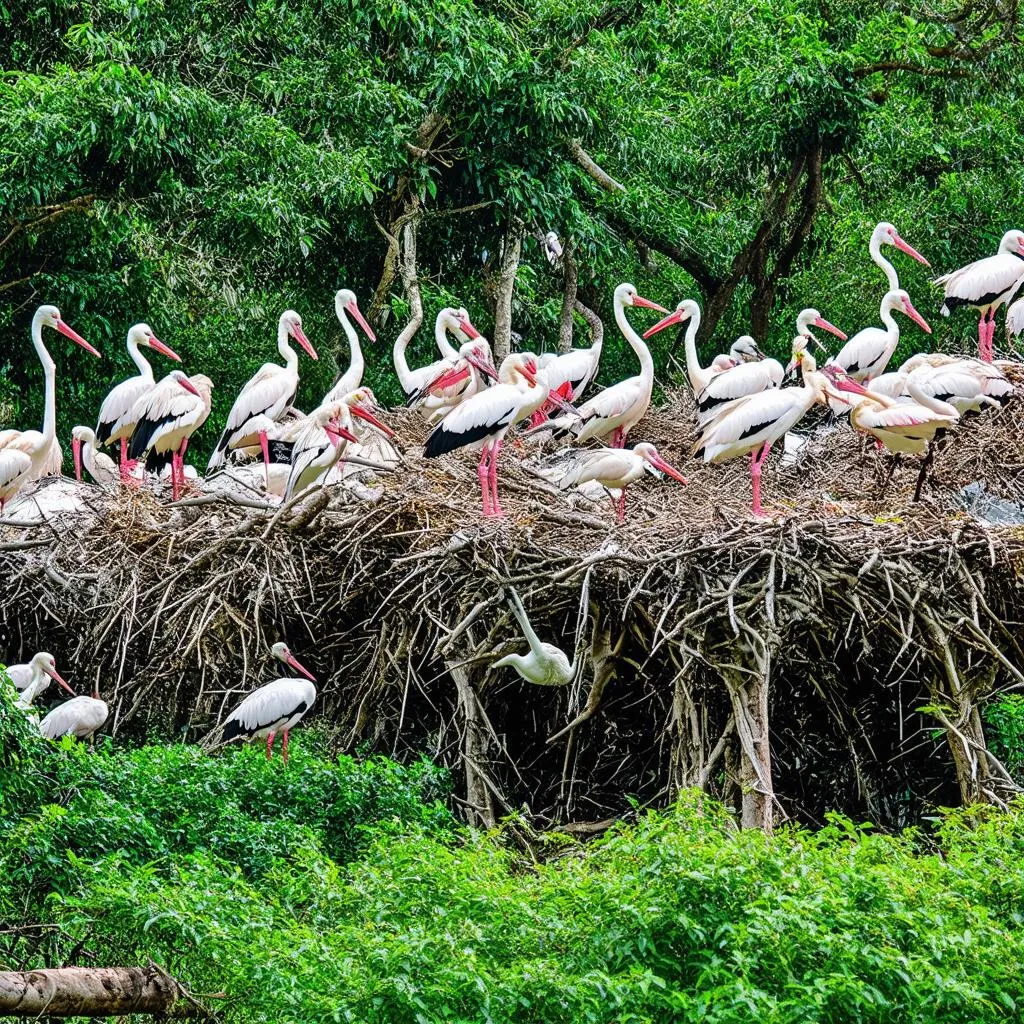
[{"x": 95, "y": 992}]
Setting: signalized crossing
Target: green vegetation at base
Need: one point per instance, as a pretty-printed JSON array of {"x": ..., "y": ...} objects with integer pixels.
[{"x": 335, "y": 890}]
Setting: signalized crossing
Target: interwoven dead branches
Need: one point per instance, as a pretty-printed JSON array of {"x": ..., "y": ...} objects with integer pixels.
[{"x": 783, "y": 664}]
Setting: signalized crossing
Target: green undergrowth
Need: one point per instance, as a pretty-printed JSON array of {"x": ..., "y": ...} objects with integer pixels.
[{"x": 342, "y": 890}]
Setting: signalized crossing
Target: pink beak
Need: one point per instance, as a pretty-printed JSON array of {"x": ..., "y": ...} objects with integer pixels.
[
  {"x": 675, "y": 317},
  {"x": 76, "y": 447},
  {"x": 189, "y": 386},
  {"x": 294, "y": 662},
  {"x": 336, "y": 433},
  {"x": 75, "y": 337},
  {"x": 469, "y": 330},
  {"x": 909, "y": 250},
  {"x": 301, "y": 338},
  {"x": 54, "y": 674},
  {"x": 659, "y": 463},
  {"x": 826, "y": 326},
  {"x": 916, "y": 317},
  {"x": 370, "y": 418},
  {"x": 164, "y": 350},
  {"x": 639, "y": 300},
  {"x": 354, "y": 310},
  {"x": 485, "y": 368}
]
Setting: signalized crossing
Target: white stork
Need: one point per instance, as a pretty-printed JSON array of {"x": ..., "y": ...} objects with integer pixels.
[
  {"x": 33, "y": 677},
  {"x": 165, "y": 418},
  {"x": 552, "y": 247},
  {"x": 455, "y": 321},
  {"x": 45, "y": 458},
  {"x": 993, "y": 381},
  {"x": 1015, "y": 319},
  {"x": 319, "y": 445},
  {"x": 267, "y": 395},
  {"x": 100, "y": 466},
  {"x": 458, "y": 380},
  {"x": 868, "y": 352},
  {"x": 754, "y": 424},
  {"x": 483, "y": 421},
  {"x": 276, "y": 707},
  {"x": 985, "y": 285},
  {"x": 546, "y": 664},
  {"x": 115, "y": 421},
  {"x": 886, "y": 234},
  {"x": 615, "y": 469},
  {"x": 569, "y": 373},
  {"x": 617, "y": 409},
  {"x": 81, "y": 717},
  {"x": 345, "y": 305}
]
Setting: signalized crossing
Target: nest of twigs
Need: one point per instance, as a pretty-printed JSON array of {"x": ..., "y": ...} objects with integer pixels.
[{"x": 836, "y": 654}]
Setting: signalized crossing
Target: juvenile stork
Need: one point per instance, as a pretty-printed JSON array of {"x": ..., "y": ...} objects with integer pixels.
[
  {"x": 985, "y": 285},
  {"x": 319, "y": 445},
  {"x": 615, "y": 469},
  {"x": 165, "y": 418},
  {"x": 546, "y": 664},
  {"x": 276, "y": 707},
  {"x": 116, "y": 423},
  {"x": 267, "y": 395},
  {"x": 34, "y": 676},
  {"x": 100, "y": 466}
]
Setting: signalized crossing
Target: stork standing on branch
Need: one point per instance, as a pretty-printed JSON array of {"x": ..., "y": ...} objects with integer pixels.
[
  {"x": 116, "y": 421},
  {"x": 165, "y": 418},
  {"x": 985, "y": 285},
  {"x": 267, "y": 395},
  {"x": 276, "y": 707}
]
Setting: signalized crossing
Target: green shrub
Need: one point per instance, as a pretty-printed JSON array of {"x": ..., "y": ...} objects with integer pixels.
[{"x": 1005, "y": 721}]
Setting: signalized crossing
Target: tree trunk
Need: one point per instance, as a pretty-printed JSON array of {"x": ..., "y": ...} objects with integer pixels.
[
  {"x": 571, "y": 272},
  {"x": 94, "y": 992},
  {"x": 474, "y": 750},
  {"x": 511, "y": 248}
]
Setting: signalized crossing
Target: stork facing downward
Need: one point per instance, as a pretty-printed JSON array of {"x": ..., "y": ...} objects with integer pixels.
[
  {"x": 33, "y": 677},
  {"x": 546, "y": 664},
  {"x": 81, "y": 717},
  {"x": 276, "y": 707}
]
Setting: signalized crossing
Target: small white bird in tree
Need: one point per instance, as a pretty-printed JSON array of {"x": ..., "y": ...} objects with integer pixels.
[
  {"x": 546, "y": 664},
  {"x": 276, "y": 707},
  {"x": 552, "y": 247}
]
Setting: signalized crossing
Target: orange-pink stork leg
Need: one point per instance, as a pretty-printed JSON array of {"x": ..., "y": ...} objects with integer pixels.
[
  {"x": 483, "y": 475},
  {"x": 270, "y": 745},
  {"x": 178, "y": 470},
  {"x": 265, "y": 448},
  {"x": 496, "y": 509},
  {"x": 618, "y": 438},
  {"x": 757, "y": 459},
  {"x": 284, "y": 746},
  {"x": 620, "y": 506},
  {"x": 127, "y": 466},
  {"x": 986, "y": 332}
]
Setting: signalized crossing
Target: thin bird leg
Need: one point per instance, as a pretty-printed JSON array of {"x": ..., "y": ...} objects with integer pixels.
[
  {"x": 757, "y": 458},
  {"x": 618, "y": 438},
  {"x": 284, "y": 746},
  {"x": 181, "y": 468},
  {"x": 265, "y": 447},
  {"x": 989, "y": 348},
  {"x": 496, "y": 508},
  {"x": 270, "y": 745},
  {"x": 892, "y": 469},
  {"x": 481, "y": 472},
  {"x": 621, "y": 506},
  {"x": 614, "y": 501},
  {"x": 124, "y": 460}
]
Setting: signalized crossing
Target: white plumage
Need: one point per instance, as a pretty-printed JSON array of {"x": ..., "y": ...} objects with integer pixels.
[
  {"x": 346, "y": 305},
  {"x": 267, "y": 395},
  {"x": 552, "y": 247},
  {"x": 886, "y": 234},
  {"x": 34, "y": 675},
  {"x": 415, "y": 382},
  {"x": 546, "y": 664},
  {"x": 319, "y": 445},
  {"x": 277, "y": 706},
  {"x": 100, "y": 466},
  {"x": 81, "y": 717}
]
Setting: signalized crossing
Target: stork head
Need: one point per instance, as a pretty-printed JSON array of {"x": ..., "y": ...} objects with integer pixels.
[
  {"x": 627, "y": 295},
  {"x": 898, "y": 299},
  {"x": 886, "y": 234},
  {"x": 650, "y": 455},
  {"x": 800, "y": 353},
  {"x": 479, "y": 354},
  {"x": 345, "y": 303},
  {"x": 809, "y": 318},
  {"x": 47, "y": 664},
  {"x": 1013, "y": 242},
  {"x": 283, "y": 654},
  {"x": 685, "y": 310},
  {"x": 362, "y": 403},
  {"x": 291, "y": 322},
  {"x": 461, "y": 317},
  {"x": 745, "y": 350},
  {"x": 80, "y": 436},
  {"x": 49, "y": 316},
  {"x": 142, "y": 335}
]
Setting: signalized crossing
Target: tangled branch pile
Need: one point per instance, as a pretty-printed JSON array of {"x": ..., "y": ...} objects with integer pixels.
[{"x": 836, "y": 654}]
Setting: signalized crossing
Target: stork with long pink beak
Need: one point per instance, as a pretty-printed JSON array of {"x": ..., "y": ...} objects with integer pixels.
[
  {"x": 101, "y": 467},
  {"x": 345, "y": 306},
  {"x": 115, "y": 423}
]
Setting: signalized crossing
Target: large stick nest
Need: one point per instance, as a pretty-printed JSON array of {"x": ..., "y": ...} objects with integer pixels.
[{"x": 855, "y": 605}]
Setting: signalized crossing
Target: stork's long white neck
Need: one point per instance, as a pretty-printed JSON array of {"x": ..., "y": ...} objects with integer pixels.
[
  {"x": 694, "y": 371},
  {"x": 50, "y": 396},
  {"x": 441, "y": 326},
  {"x": 929, "y": 401},
  {"x": 140, "y": 361},
  {"x": 892, "y": 328},
  {"x": 638, "y": 345},
  {"x": 291, "y": 357},
  {"x": 875, "y": 248},
  {"x": 356, "y": 363},
  {"x": 405, "y": 377}
]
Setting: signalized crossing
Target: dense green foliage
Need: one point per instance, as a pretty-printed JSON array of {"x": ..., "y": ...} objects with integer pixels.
[
  {"x": 203, "y": 166},
  {"x": 1004, "y": 718},
  {"x": 339, "y": 891}
]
